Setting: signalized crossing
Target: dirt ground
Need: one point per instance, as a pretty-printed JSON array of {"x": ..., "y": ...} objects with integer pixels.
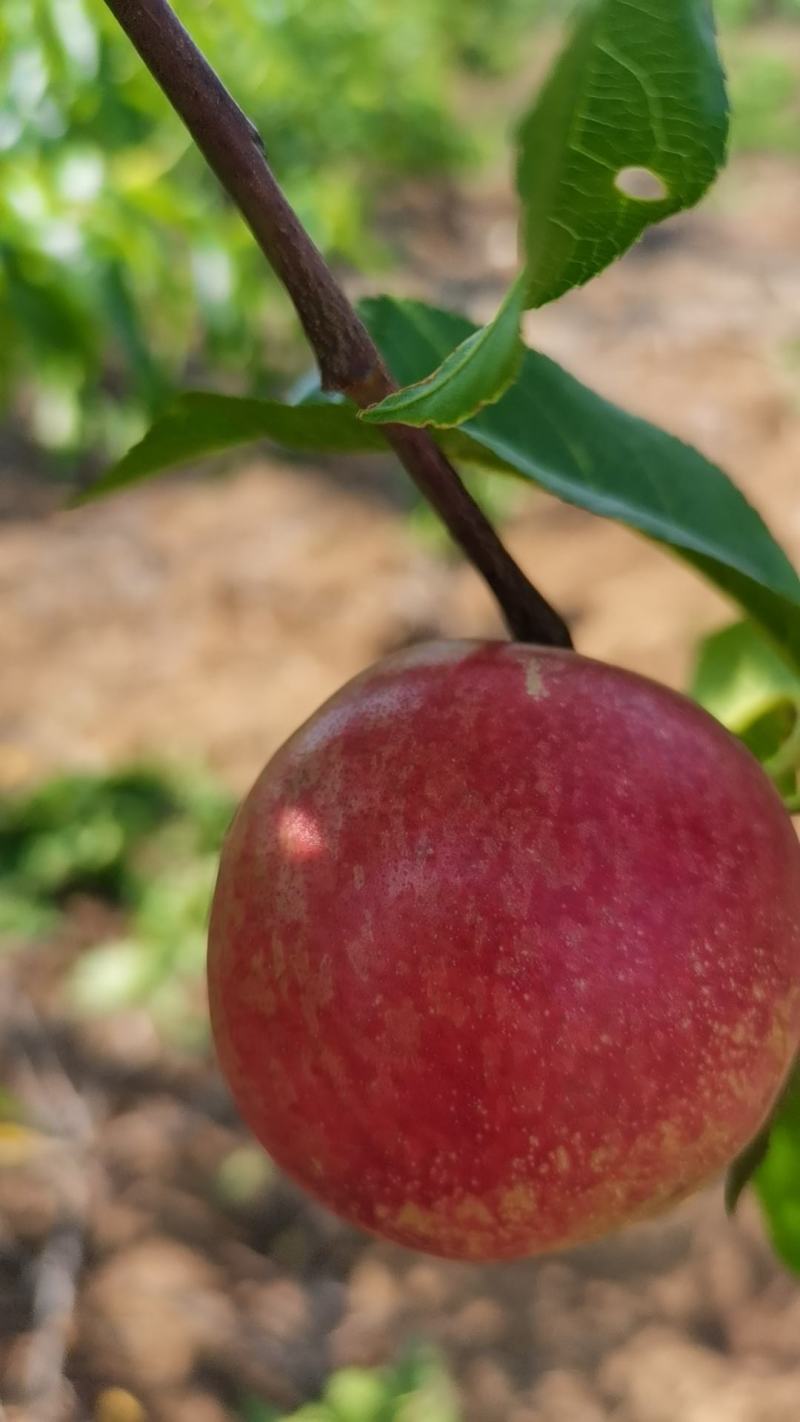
[{"x": 202, "y": 618}]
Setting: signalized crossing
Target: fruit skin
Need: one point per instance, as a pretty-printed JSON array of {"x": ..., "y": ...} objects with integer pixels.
[{"x": 505, "y": 950}]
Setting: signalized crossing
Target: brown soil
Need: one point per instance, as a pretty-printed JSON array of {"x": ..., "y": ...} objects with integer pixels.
[{"x": 202, "y": 619}]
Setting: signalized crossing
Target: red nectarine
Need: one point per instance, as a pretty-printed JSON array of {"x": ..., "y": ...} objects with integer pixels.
[{"x": 505, "y": 950}]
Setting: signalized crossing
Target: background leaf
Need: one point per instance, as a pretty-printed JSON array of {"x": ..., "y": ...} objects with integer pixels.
[
  {"x": 739, "y": 675},
  {"x": 97, "y": 176},
  {"x": 740, "y": 1174},
  {"x": 639, "y": 85},
  {"x": 553, "y": 430},
  {"x": 778, "y": 1179},
  {"x": 741, "y": 679}
]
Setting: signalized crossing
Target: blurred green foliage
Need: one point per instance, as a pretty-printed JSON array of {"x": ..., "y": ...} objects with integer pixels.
[
  {"x": 160, "y": 963},
  {"x": 765, "y": 97},
  {"x": 777, "y": 1178},
  {"x": 415, "y": 1390},
  {"x": 123, "y": 270},
  {"x": 764, "y": 73},
  {"x": 742, "y": 679},
  {"x": 750, "y": 12},
  {"x": 143, "y": 840}
]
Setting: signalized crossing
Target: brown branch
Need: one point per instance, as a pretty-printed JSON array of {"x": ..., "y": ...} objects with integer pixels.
[{"x": 348, "y": 359}]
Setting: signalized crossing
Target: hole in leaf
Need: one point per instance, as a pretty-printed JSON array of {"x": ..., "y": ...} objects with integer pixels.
[{"x": 641, "y": 184}]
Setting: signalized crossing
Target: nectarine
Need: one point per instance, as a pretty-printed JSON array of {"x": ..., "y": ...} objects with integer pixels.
[{"x": 505, "y": 950}]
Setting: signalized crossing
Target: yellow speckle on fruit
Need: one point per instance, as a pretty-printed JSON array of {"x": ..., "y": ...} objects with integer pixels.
[
  {"x": 561, "y": 1159},
  {"x": 601, "y": 1157},
  {"x": 471, "y": 1210},
  {"x": 518, "y": 1205},
  {"x": 414, "y": 1217}
]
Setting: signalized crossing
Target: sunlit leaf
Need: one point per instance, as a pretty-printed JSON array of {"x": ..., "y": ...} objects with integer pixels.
[
  {"x": 356, "y": 1395},
  {"x": 741, "y": 678},
  {"x": 630, "y": 127},
  {"x": 739, "y": 675}
]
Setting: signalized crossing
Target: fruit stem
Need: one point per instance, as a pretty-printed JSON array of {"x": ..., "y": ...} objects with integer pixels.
[{"x": 349, "y": 362}]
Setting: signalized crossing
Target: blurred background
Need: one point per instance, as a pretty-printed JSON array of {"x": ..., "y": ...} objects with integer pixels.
[{"x": 157, "y": 648}]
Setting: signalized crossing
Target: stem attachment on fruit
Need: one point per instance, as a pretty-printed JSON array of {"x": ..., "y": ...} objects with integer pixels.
[{"x": 348, "y": 359}]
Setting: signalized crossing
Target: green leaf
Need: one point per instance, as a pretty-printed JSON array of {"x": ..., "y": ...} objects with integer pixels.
[
  {"x": 198, "y": 424},
  {"x": 637, "y": 95},
  {"x": 739, "y": 676},
  {"x": 125, "y": 320},
  {"x": 741, "y": 679},
  {"x": 778, "y": 1178},
  {"x": 356, "y": 1395},
  {"x": 638, "y": 87},
  {"x": 476, "y": 373},
  {"x": 22, "y": 916},
  {"x": 744, "y": 1167},
  {"x": 551, "y": 429},
  {"x": 254, "y": 1409}
]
